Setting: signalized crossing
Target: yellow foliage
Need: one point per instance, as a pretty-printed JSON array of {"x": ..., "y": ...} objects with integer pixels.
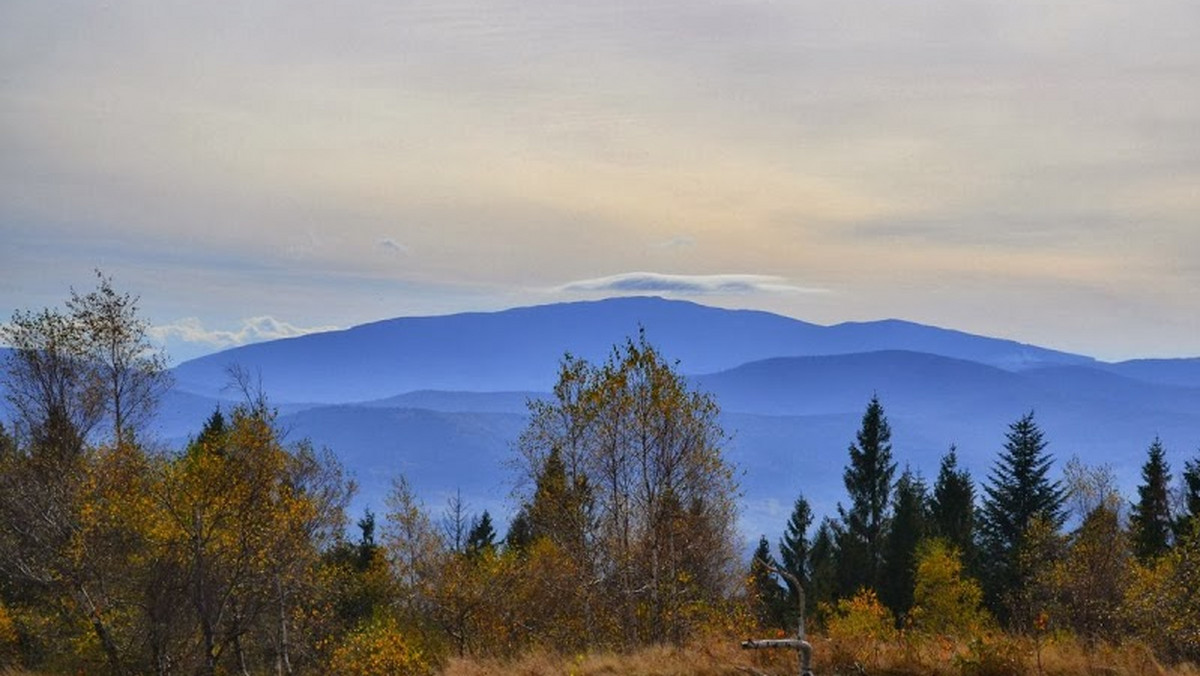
[
  {"x": 944, "y": 601},
  {"x": 859, "y": 627},
  {"x": 379, "y": 648},
  {"x": 8, "y": 634}
]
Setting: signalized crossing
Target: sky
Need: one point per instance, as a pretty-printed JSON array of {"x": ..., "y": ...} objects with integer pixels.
[{"x": 259, "y": 169}]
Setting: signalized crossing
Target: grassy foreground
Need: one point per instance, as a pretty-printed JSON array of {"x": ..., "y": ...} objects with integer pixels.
[{"x": 990, "y": 656}]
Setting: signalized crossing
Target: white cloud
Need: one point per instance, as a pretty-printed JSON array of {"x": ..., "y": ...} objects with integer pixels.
[
  {"x": 252, "y": 330},
  {"x": 652, "y": 282}
]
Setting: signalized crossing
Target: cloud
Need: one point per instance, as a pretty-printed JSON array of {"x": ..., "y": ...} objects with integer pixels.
[
  {"x": 252, "y": 330},
  {"x": 652, "y": 282},
  {"x": 391, "y": 245},
  {"x": 677, "y": 242}
]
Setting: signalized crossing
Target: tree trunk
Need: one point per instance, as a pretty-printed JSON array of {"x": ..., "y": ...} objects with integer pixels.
[{"x": 283, "y": 661}]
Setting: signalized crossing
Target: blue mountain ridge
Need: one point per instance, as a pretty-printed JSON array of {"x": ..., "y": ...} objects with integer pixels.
[
  {"x": 443, "y": 399},
  {"x": 520, "y": 349}
]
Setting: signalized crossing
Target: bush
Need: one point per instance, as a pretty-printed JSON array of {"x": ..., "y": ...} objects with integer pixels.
[
  {"x": 858, "y": 629},
  {"x": 379, "y": 648}
]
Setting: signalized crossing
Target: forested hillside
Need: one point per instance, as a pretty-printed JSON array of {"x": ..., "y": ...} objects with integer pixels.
[{"x": 235, "y": 552}]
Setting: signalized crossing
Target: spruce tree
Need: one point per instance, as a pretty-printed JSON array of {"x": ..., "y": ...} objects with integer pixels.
[
  {"x": 1185, "y": 523},
  {"x": 900, "y": 551},
  {"x": 1150, "y": 516},
  {"x": 520, "y": 532},
  {"x": 366, "y": 548},
  {"x": 1019, "y": 491},
  {"x": 952, "y": 507},
  {"x": 770, "y": 598},
  {"x": 482, "y": 536},
  {"x": 822, "y": 567},
  {"x": 793, "y": 546},
  {"x": 868, "y": 480}
]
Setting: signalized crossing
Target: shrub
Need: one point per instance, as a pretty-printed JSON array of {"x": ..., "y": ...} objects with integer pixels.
[{"x": 379, "y": 648}]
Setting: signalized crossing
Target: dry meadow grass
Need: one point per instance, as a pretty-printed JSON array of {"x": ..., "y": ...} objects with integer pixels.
[{"x": 993, "y": 656}]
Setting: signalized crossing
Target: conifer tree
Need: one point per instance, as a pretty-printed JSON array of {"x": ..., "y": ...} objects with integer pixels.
[
  {"x": 793, "y": 546},
  {"x": 900, "y": 552},
  {"x": 952, "y": 506},
  {"x": 482, "y": 536},
  {"x": 769, "y": 597},
  {"x": 822, "y": 567},
  {"x": 868, "y": 480},
  {"x": 1150, "y": 516},
  {"x": 1185, "y": 523},
  {"x": 520, "y": 532},
  {"x": 1019, "y": 491}
]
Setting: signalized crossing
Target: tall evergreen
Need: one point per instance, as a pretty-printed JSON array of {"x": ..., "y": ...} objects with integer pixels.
[
  {"x": 952, "y": 506},
  {"x": 482, "y": 536},
  {"x": 793, "y": 546},
  {"x": 822, "y": 567},
  {"x": 900, "y": 551},
  {"x": 1150, "y": 516},
  {"x": 1019, "y": 491},
  {"x": 868, "y": 480},
  {"x": 769, "y": 597},
  {"x": 1185, "y": 523}
]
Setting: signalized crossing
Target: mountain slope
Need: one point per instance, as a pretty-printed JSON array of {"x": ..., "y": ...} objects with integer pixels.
[
  {"x": 790, "y": 421},
  {"x": 519, "y": 349}
]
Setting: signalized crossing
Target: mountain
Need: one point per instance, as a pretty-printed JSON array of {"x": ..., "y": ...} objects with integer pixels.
[
  {"x": 443, "y": 400},
  {"x": 1184, "y": 372},
  {"x": 790, "y": 421},
  {"x": 519, "y": 349}
]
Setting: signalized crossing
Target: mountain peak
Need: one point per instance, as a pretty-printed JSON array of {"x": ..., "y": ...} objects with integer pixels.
[{"x": 519, "y": 349}]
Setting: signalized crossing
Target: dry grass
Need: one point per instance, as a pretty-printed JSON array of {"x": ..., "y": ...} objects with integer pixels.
[
  {"x": 994, "y": 656},
  {"x": 700, "y": 660}
]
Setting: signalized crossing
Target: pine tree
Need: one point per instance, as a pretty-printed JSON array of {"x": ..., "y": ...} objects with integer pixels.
[
  {"x": 1150, "y": 517},
  {"x": 482, "y": 536},
  {"x": 822, "y": 567},
  {"x": 952, "y": 507},
  {"x": 1019, "y": 492},
  {"x": 520, "y": 532},
  {"x": 900, "y": 552},
  {"x": 793, "y": 547},
  {"x": 1185, "y": 523},
  {"x": 366, "y": 548},
  {"x": 868, "y": 480},
  {"x": 769, "y": 597}
]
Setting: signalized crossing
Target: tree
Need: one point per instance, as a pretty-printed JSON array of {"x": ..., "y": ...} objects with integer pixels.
[
  {"x": 1162, "y": 603},
  {"x": 900, "y": 549},
  {"x": 455, "y": 522},
  {"x": 130, "y": 371},
  {"x": 1092, "y": 577},
  {"x": 242, "y": 519},
  {"x": 482, "y": 536},
  {"x": 952, "y": 506},
  {"x": 49, "y": 385},
  {"x": 868, "y": 480},
  {"x": 1189, "y": 507},
  {"x": 1150, "y": 516},
  {"x": 1019, "y": 491},
  {"x": 67, "y": 371},
  {"x": 71, "y": 369},
  {"x": 769, "y": 599},
  {"x": 794, "y": 550},
  {"x": 520, "y": 532},
  {"x": 628, "y": 458},
  {"x": 822, "y": 566},
  {"x": 945, "y": 600}
]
